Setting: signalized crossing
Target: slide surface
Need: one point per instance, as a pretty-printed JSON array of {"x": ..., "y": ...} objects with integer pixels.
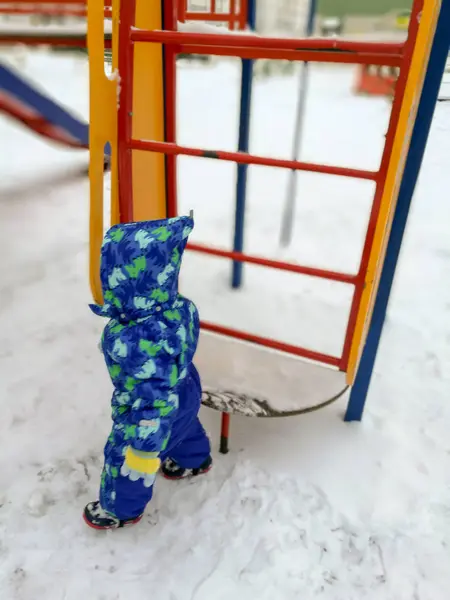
[{"x": 19, "y": 99}]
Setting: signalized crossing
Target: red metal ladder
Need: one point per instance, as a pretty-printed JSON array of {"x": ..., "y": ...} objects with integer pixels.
[{"x": 253, "y": 47}]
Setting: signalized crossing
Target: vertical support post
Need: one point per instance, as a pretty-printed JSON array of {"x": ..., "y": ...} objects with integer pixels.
[
  {"x": 287, "y": 221},
  {"x": 148, "y": 116},
  {"x": 414, "y": 160},
  {"x": 102, "y": 129},
  {"x": 125, "y": 111},
  {"x": 225, "y": 434},
  {"x": 243, "y": 12},
  {"x": 169, "y": 14},
  {"x": 232, "y": 20},
  {"x": 181, "y": 10},
  {"x": 241, "y": 186},
  {"x": 243, "y": 146}
]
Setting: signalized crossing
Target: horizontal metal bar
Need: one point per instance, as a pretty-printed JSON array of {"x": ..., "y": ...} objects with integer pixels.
[
  {"x": 349, "y": 58},
  {"x": 43, "y": 3},
  {"x": 251, "y": 159},
  {"x": 275, "y": 264},
  {"x": 51, "y": 11},
  {"x": 268, "y": 343},
  {"x": 36, "y": 10},
  {"x": 75, "y": 8},
  {"x": 254, "y": 41},
  {"x": 60, "y": 40}
]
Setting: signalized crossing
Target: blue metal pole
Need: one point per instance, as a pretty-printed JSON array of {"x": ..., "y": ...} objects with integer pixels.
[
  {"x": 416, "y": 152},
  {"x": 243, "y": 146},
  {"x": 311, "y": 17},
  {"x": 287, "y": 221}
]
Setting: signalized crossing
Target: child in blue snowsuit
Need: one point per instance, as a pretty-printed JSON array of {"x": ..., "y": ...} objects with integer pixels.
[{"x": 148, "y": 343}]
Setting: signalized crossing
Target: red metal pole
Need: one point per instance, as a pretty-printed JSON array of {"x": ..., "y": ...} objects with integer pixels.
[
  {"x": 60, "y": 41},
  {"x": 42, "y": 10},
  {"x": 225, "y": 434},
  {"x": 55, "y": 8},
  {"x": 232, "y": 14},
  {"x": 125, "y": 111},
  {"x": 48, "y": 2},
  {"x": 381, "y": 180},
  {"x": 275, "y": 264},
  {"x": 259, "y": 42},
  {"x": 274, "y": 344},
  {"x": 182, "y": 11},
  {"x": 251, "y": 159},
  {"x": 243, "y": 14},
  {"x": 170, "y": 91},
  {"x": 349, "y": 58}
]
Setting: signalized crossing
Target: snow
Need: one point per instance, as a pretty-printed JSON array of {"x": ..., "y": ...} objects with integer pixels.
[
  {"x": 303, "y": 507},
  {"x": 115, "y": 76}
]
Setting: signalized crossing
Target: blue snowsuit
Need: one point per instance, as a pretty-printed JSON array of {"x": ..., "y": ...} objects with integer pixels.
[{"x": 148, "y": 344}]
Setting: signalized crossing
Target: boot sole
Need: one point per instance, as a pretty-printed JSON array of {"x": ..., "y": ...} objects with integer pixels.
[
  {"x": 185, "y": 476},
  {"x": 99, "y": 528}
]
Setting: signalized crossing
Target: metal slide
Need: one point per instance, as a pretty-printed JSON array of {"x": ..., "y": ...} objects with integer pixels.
[{"x": 20, "y": 100}]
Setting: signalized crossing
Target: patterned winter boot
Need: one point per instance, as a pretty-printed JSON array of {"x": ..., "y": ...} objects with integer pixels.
[
  {"x": 97, "y": 518},
  {"x": 172, "y": 470}
]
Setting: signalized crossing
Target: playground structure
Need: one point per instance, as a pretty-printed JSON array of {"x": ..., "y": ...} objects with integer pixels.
[
  {"x": 242, "y": 372},
  {"x": 145, "y": 44}
]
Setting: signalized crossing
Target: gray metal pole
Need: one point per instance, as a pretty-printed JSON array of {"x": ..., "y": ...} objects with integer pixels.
[{"x": 287, "y": 221}]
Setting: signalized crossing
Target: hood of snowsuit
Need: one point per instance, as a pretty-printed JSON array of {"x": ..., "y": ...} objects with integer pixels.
[
  {"x": 140, "y": 264},
  {"x": 152, "y": 333}
]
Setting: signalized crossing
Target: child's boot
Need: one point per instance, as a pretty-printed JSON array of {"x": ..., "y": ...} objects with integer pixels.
[
  {"x": 97, "y": 518},
  {"x": 172, "y": 470}
]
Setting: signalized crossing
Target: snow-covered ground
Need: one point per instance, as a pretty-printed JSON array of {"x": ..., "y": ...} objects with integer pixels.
[{"x": 306, "y": 507}]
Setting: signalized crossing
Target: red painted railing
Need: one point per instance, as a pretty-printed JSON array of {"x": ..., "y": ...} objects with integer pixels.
[{"x": 56, "y": 8}]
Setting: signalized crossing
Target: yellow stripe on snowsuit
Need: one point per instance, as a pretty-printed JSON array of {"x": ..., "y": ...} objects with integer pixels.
[{"x": 138, "y": 462}]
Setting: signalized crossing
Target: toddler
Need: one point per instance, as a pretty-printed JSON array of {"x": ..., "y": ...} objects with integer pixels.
[{"x": 148, "y": 344}]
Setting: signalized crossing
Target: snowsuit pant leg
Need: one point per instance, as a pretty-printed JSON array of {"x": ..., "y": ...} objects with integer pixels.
[
  {"x": 194, "y": 448},
  {"x": 188, "y": 445},
  {"x": 127, "y": 499},
  {"x": 119, "y": 495}
]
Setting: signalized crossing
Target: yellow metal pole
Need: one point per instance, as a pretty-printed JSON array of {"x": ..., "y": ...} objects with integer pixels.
[
  {"x": 408, "y": 113},
  {"x": 102, "y": 129},
  {"x": 149, "y": 193},
  {"x": 149, "y": 188}
]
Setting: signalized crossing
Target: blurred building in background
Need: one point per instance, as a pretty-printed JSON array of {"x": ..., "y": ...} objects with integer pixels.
[
  {"x": 289, "y": 17},
  {"x": 282, "y": 17}
]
